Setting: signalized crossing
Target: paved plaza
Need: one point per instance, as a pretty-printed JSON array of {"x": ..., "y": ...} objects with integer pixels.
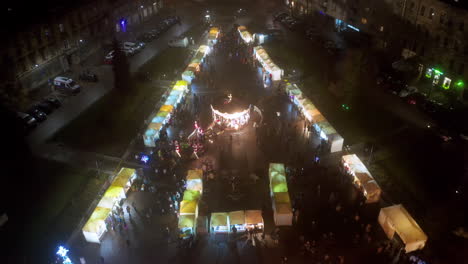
[{"x": 331, "y": 223}]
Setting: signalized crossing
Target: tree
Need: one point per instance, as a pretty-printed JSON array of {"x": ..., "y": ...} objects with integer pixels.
[{"x": 121, "y": 68}]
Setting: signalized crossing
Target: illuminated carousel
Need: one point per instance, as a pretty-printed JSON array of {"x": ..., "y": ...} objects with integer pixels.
[{"x": 231, "y": 113}]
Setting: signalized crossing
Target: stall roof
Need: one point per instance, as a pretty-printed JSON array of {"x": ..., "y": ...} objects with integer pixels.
[
  {"x": 150, "y": 132},
  {"x": 237, "y": 218},
  {"x": 186, "y": 221},
  {"x": 354, "y": 163},
  {"x": 166, "y": 108},
  {"x": 123, "y": 177},
  {"x": 253, "y": 217},
  {"x": 277, "y": 179},
  {"x": 191, "y": 195},
  {"x": 219, "y": 219},
  {"x": 279, "y": 187},
  {"x": 163, "y": 114},
  {"x": 404, "y": 224},
  {"x": 188, "y": 207},
  {"x": 110, "y": 197},
  {"x": 95, "y": 220},
  {"x": 281, "y": 197},
  {"x": 155, "y": 126},
  {"x": 194, "y": 174},
  {"x": 283, "y": 208},
  {"x": 196, "y": 185},
  {"x": 275, "y": 169}
]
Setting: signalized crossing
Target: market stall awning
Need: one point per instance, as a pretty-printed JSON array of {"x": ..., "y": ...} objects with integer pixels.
[
  {"x": 96, "y": 219},
  {"x": 188, "y": 207},
  {"x": 186, "y": 221},
  {"x": 180, "y": 85},
  {"x": 253, "y": 217},
  {"x": 237, "y": 218},
  {"x": 283, "y": 208},
  {"x": 279, "y": 187},
  {"x": 277, "y": 179},
  {"x": 396, "y": 219},
  {"x": 276, "y": 169},
  {"x": 219, "y": 219},
  {"x": 172, "y": 100},
  {"x": 123, "y": 177},
  {"x": 281, "y": 197},
  {"x": 194, "y": 174},
  {"x": 166, "y": 108},
  {"x": 195, "y": 185},
  {"x": 111, "y": 196},
  {"x": 191, "y": 195},
  {"x": 155, "y": 126}
]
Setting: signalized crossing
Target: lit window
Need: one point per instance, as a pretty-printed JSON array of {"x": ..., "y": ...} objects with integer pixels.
[
  {"x": 364, "y": 20},
  {"x": 381, "y": 28},
  {"x": 61, "y": 28}
]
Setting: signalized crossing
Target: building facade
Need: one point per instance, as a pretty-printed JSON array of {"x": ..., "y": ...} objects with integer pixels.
[
  {"x": 434, "y": 30},
  {"x": 67, "y": 35}
]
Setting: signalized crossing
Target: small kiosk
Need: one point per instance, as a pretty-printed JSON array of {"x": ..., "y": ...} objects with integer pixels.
[
  {"x": 219, "y": 223},
  {"x": 237, "y": 219},
  {"x": 395, "y": 219},
  {"x": 95, "y": 228},
  {"x": 245, "y": 35},
  {"x": 186, "y": 226},
  {"x": 282, "y": 213},
  {"x": 125, "y": 178},
  {"x": 267, "y": 64},
  {"x": 361, "y": 177},
  {"x": 253, "y": 218}
]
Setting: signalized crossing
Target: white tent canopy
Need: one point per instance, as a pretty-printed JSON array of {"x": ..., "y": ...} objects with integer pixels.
[
  {"x": 396, "y": 219},
  {"x": 267, "y": 63},
  {"x": 362, "y": 178}
]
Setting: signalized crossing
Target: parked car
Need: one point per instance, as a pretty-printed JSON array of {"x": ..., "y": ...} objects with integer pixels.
[
  {"x": 181, "y": 42},
  {"x": 37, "y": 114},
  {"x": 66, "y": 85},
  {"x": 407, "y": 91},
  {"x": 53, "y": 101},
  {"x": 28, "y": 121},
  {"x": 45, "y": 107},
  {"x": 109, "y": 57},
  {"x": 133, "y": 47}
]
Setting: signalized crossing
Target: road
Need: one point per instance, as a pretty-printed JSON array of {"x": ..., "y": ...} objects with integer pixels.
[{"x": 74, "y": 106}]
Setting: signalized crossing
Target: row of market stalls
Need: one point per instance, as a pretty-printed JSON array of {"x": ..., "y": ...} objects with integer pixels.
[
  {"x": 188, "y": 212},
  {"x": 270, "y": 69},
  {"x": 240, "y": 220},
  {"x": 281, "y": 202},
  {"x": 96, "y": 227},
  {"x": 194, "y": 66},
  {"x": 326, "y": 131},
  {"x": 361, "y": 177},
  {"x": 161, "y": 117},
  {"x": 245, "y": 35},
  {"x": 393, "y": 219}
]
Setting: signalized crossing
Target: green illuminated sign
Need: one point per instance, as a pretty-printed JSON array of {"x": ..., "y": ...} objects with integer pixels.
[{"x": 460, "y": 84}]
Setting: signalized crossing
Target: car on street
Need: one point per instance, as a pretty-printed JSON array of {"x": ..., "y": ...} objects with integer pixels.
[
  {"x": 29, "y": 121},
  {"x": 66, "y": 85},
  {"x": 37, "y": 114},
  {"x": 109, "y": 57},
  {"x": 53, "y": 102},
  {"x": 407, "y": 91},
  {"x": 45, "y": 107},
  {"x": 133, "y": 47}
]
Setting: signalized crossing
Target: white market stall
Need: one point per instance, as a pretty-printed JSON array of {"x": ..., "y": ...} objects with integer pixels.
[
  {"x": 245, "y": 35},
  {"x": 219, "y": 222},
  {"x": 253, "y": 218},
  {"x": 282, "y": 211},
  {"x": 95, "y": 228},
  {"x": 323, "y": 128},
  {"x": 267, "y": 64},
  {"x": 361, "y": 177},
  {"x": 395, "y": 219},
  {"x": 187, "y": 225},
  {"x": 237, "y": 219},
  {"x": 125, "y": 178},
  {"x": 194, "y": 180}
]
